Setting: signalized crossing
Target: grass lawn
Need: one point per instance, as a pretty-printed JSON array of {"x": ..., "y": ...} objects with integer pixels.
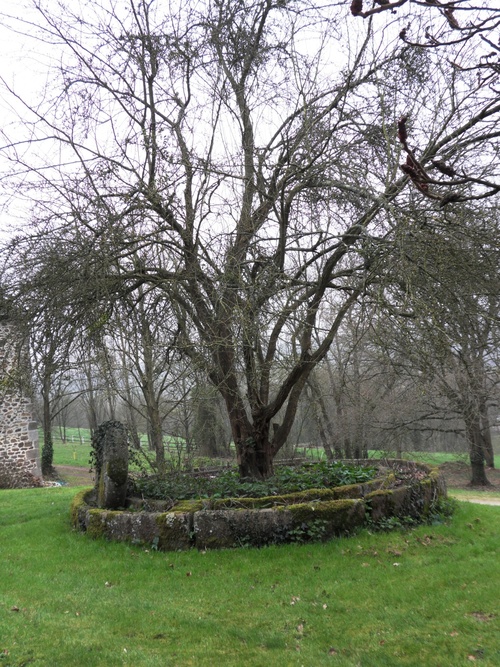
[
  {"x": 68, "y": 454},
  {"x": 76, "y": 449},
  {"x": 426, "y": 597}
]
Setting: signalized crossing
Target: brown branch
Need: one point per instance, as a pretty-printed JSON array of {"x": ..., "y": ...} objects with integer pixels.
[{"x": 382, "y": 6}]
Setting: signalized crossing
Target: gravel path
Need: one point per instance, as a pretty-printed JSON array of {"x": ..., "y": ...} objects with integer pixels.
[{"x": 479, "y": 501}]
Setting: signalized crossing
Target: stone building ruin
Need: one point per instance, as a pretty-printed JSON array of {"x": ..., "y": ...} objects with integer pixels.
[{"x": 19, "y": 450}]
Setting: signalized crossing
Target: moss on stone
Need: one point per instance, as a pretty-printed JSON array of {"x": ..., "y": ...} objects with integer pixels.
[
  {"x": 96, "y": 527},
  {"x": 373, "y": 485},
  {"x": 379, "y": 504},
  {"x": 188, "y": 506},
  {"x": 79, "y": 503},
  {"x": 338, "y": 514},
  {"x": 389, "y": 480},
  {"x": 350, "y": 491},
  {"x": 174, "y": 530},
  {"x": 269, "y": 502},
  {"x": 117, "y": 470},
  {"x": 223, "y": 529},
  {"x": 312, "y": 514}
]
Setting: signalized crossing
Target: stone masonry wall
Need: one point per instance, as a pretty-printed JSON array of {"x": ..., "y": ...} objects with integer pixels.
[{"x": 19, "y": 451}]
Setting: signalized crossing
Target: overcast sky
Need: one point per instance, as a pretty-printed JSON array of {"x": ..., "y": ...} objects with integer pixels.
[{"x": 20, "y": 69}]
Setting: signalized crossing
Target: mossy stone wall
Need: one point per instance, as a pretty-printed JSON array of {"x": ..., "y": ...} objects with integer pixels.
[
  {"x": 19, "y": 450},
  {"x": 315, "y": 514}
]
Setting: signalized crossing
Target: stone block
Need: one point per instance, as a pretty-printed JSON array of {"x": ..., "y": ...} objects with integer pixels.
[{"x": 219, "y": 529}]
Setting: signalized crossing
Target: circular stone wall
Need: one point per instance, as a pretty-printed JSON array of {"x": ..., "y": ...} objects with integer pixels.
[{"x": 403, "y": 489}]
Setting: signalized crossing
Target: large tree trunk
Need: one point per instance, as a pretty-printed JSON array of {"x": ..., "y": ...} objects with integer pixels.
[
  {"x": 208, "y": 429},
  {"x": 255, "y": 458},
  {"x": 254, "y": 450},
  {"x": 476, "y": 450},
  {"x": 489, "y": 455}
]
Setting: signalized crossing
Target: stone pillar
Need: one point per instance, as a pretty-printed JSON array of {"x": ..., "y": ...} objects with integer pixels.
[
  {"x": 19, "y": 451},
  {"x": 110, "y": 443}
]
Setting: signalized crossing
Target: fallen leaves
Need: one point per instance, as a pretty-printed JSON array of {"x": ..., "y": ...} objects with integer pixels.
[
  {"x": 479, "y": 654},
  {"x": 394, "y": 552},
  {"x": 481, "y": 616}
]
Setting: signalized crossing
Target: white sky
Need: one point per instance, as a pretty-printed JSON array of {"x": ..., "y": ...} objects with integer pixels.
[
  {"x": 24, "y": 67},
  {"x": 21, "y": 68}
]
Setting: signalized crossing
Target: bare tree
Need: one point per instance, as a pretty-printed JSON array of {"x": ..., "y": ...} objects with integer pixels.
[
  {"x": 209, "y": 429},
  {"x": 465, "y": 33},
  {"x": 220, "y": 143},
  {"x": 144, "y": 363},
  {"x": 446, "y": 314},
  {"x": 50, "y": 331}
]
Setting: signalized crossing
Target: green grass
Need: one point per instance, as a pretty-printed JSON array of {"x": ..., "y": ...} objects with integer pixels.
[
  {"x": 71, "y": 455},
  {"x": 434, "y": 458},
  {"x": 75, "y": 450},
  {"x": 427, "y": 597}
]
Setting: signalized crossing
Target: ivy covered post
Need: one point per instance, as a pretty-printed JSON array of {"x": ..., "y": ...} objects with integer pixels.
[{"x": 110, "y": 456}]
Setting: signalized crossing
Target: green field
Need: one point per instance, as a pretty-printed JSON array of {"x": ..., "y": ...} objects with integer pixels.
[
  {"x": 76, "y": 451},
  {"x": 426, "y": 597}
]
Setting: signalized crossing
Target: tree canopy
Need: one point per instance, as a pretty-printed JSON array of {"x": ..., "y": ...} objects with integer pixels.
[{"x": 246, "y": 162}]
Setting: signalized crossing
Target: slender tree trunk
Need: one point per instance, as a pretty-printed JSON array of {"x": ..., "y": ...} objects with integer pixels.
[
  {"x": 347, "y": 448},
  {"x": 209, "y": 432},
  {"x": 47, "y": 457},
  {"x": 322, "y": 419},
  {"x": 344, "y": 449},
  {"x": 92, "y": 410},
  {"x": 325, "y": 441},
  {"x": 156, "y": 437}
]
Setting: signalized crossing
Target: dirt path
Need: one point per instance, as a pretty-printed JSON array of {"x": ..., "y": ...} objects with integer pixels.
[
  {"x": 457, "y": 476},
  {"x": 479, "y": 501},
  {"x": 75, "y": 475}
]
